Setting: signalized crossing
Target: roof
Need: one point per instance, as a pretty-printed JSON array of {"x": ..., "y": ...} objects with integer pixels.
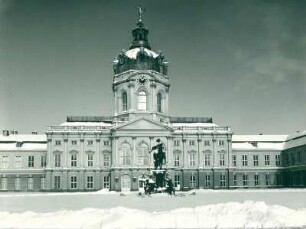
[
  {"x": 193, "y": 124},
  {"x": 259, "y": 138},
  {"x": 86, "y": 124},
  {"x": 25, "y": 146},
  {"x": 259, "y": 146},
  {"x": 190, "y": 119},
  {"x": 132, "y": 53},
  {"x": 23, "y": 138}
]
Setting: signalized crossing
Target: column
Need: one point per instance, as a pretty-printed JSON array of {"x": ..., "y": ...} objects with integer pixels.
[
  {"x": 169, "y": 151},
  {"x": 183, "y": 156},
  {"x": 134, "y": 155},
  {"x": 65, "y": 154},
  {"x": 151, "y": 161},
  {"x": 98, "y": 161},
  {"x": 82, "y": 153},
  {"x": 131, "y": 97},
  {"x": 199, "y": 153},
  {"x": 50, "y": 162}
]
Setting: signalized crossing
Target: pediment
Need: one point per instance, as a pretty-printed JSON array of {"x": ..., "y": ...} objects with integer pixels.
[{"x": 142, "y": 124}]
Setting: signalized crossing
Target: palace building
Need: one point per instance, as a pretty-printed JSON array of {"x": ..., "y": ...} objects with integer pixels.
[{"x": 113, "y": 152}]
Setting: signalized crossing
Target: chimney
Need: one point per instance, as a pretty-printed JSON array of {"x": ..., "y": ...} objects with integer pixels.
[{"x": 6, "y": 133}]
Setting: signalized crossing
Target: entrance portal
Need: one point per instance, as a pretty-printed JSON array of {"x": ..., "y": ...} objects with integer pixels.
[{"x": 125, "y": 183}]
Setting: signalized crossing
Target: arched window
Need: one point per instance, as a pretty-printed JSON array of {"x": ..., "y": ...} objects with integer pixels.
[
  {"x": 159, "y": 102},
  {"x": 142, "y": 101},
  {"x": 143, "y": 154},
  {"x": 125, "y": 154},
  {"x": 124, "y": 101}
]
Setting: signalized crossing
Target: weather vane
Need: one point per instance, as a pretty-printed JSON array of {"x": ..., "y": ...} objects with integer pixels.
[{"x": 140, "y": 12}]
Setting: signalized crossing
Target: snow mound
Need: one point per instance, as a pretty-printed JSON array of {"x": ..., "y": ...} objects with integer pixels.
[{"x": 249, "y": 214}]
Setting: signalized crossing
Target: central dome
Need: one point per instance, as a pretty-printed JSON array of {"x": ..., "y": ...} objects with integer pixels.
[{"x": 140, "y": 56}]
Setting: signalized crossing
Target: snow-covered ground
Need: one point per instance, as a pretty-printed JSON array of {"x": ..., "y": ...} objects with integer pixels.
[{"x": 199, "y": 209}]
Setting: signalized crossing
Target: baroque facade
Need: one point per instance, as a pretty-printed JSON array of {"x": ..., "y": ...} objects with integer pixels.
[{"x": 93, "y": 153}]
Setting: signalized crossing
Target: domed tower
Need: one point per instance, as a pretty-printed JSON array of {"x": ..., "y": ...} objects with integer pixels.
[{"x": 140, "y": 83}]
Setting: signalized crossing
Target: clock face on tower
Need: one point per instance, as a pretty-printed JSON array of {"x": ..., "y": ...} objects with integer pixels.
[{"x": 142, "y": 80}]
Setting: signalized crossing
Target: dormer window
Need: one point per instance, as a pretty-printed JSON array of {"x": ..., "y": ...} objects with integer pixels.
[{"x": 19, "y": 144}]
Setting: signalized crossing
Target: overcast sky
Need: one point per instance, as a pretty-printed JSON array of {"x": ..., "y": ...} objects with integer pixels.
[{"x": 243, "y": 63}]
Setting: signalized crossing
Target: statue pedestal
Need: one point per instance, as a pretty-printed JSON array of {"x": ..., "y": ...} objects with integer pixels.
[{"x": 160, "y": 176}]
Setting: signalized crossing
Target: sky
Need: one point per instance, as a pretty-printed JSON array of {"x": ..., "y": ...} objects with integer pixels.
[{"x": 240, "y": 62}]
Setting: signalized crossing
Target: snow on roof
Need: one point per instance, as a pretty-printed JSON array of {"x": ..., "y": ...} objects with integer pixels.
[
  {"x": 23, "y": 138},
  {"x": 297, "y": 135},
  {"x": 24, "y": 146},
  {"x": 194, "y": 124},
  {"x": 132, "y": 53},
  {"x": 258, "y": 146},
  {"x": 259, "y": 138},
  {"x": 85, "y": 124}
]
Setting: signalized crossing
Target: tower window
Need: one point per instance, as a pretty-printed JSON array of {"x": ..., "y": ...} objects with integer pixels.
[
  {"x": 159, "y": 102},
  {"x": 142, "y": 101},
  {"x": 124, "y": 101}
]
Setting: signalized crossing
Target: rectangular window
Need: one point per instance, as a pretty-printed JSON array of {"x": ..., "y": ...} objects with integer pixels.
[
  {"x": 207, "y": 159},
  {"x": 176, "y": 159},
  {"x": 18, "y": 161},
  {"x": 267, "y": 160},
  {"x": 234, "y": 160},
  {"x": 221, "y": 143},
  {"x": 57, "y": 160},
  {"x": 90, "y": 182},
  {"x": 255, "y": 160},
  {"x": 5, "y": 162},
  {"x": 277, "y": 160},
  {"x": 106, "y": 159},
  {"x": 4, "y": 183},
  {"x": 31, "y": 161},
  {"x": 58, "y": 142},
  {"x": 245, "y": 180},
  {"x": 278, "y": 179},
  {"x": 176, "y": 143},
  {"x": 207, "y": 181},
  {"x": 191, "y": 142},
  {"x": 73, "y": 182},
  {"x": 299, "y": 156},
  {"x": 256, "y": 179},
  {"x": 192, "y": 181},
  {"x": 43, "y": 161},
  {"x": 177, "y": 181},
  {"x": 17, "y": 183},
  {"x": 192, "y": 159},
  {"x": 222, "y": 159},
  {"x": 74, "y": 142},
  {"x": 89, "y": 142},
  {"x": 43, "y": 183},
  {"x": 207, "y": 143},
  {"x": 106, "y": 182},
  {"x": 292, "y": 159},
  {"x": 90, "y": 160},
  {"x": 244, "y": 160},
  {"x": 30, "y": 183},
  {"x": 73, "y": 160},
  {"x": 57, "y": 182},
  {"x": 222, "y": 180},
  {"x": 106, "y": 143},
  {"x": 267, "y": 179},
  {"x": 235, "y": 180}
]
